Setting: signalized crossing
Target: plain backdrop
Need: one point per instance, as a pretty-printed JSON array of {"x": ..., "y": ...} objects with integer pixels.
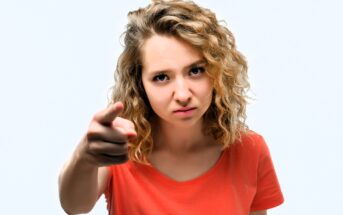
[{"x": 57, "y": 59}]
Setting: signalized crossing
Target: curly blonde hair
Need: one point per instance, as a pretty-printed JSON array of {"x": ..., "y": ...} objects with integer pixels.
[{"x": 227, "y": 69}]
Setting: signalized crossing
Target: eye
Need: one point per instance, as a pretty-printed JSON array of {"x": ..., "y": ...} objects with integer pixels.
[
  {"x": 160, "y": 78},
  {"x": 196, "y": 71}
]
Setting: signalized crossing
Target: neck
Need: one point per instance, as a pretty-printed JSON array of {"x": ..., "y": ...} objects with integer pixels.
[{"x": 180, "y": 139}]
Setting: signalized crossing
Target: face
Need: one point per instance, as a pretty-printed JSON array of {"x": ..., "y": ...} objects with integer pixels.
[{"x": 175, "y": 80}]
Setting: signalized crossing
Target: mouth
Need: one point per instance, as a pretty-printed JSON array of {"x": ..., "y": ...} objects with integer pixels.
[{"x": 184, "y": 110}]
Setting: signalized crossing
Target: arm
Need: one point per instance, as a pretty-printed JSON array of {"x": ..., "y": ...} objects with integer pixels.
[
  {"x": 80, "y": 186},
  {"x": 258, "y": 213},
  {"x": 84, "y": 176}
]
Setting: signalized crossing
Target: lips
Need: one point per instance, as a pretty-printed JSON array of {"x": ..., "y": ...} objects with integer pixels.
[{"x": 184, "y": 109}]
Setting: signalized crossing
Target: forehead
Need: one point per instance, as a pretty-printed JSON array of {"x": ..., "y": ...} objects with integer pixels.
[{"x": 161, "y": 52}]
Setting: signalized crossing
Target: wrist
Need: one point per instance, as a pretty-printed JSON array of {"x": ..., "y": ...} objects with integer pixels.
[{"x": 82, "y": 159}]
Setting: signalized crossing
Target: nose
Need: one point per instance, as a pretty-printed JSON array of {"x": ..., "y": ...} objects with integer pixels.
[{"x": 182, "y": 92}]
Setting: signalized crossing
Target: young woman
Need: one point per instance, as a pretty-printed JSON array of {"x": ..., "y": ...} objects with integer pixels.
[{"x": 173, "y": 139}]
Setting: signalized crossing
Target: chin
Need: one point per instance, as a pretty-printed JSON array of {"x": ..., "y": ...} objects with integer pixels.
[{"x": 186, "y": 122}]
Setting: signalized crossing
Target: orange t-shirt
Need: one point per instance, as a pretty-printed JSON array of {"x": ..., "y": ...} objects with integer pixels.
[{"x": 242, "y": 180}]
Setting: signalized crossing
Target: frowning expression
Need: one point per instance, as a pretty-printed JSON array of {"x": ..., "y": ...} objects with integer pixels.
[{"x": 175, "y": 80}]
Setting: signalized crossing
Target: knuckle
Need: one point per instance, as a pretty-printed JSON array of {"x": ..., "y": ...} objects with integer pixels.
[
  {"x": 94, "y": 131},
  {"x": 92, "y": 134},
  {"x": 106, "y": 159},
  {"x": 93, "y": 147},
  {"x": 123, "y": 149},
  {"x": 118, "y": 149}
]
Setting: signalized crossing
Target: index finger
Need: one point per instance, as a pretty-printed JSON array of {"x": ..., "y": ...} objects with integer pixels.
[{"x": 106, "y": 116}]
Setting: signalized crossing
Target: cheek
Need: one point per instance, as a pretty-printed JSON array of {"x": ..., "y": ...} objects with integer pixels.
[
  {"x": 206, "y": 90},
  {"x": 157, "y": 102},
  {"x": 156, "y": 96}
]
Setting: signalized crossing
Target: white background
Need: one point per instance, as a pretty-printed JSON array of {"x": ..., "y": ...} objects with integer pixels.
[{"x": 56, "y": 65}]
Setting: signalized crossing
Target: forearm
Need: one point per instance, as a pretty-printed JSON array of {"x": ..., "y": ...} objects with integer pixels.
[
  {"x": 78, "y": 186},
  {"x": 84, "y": 178}
]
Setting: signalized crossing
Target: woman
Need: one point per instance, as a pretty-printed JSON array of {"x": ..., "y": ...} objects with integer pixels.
[{"x": 173, "y": 139}]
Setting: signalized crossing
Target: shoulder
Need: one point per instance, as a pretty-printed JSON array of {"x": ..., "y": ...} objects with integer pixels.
[
  {"x": 248, "y": 151},
  {"x": 252, "y": 138},
  {"x": 250, "y": 142}
]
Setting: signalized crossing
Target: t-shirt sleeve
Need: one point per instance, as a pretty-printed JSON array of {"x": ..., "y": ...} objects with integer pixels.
[{"x": 268, "y": 191}]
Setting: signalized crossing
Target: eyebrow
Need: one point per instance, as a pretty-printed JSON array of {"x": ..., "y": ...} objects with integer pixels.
[{"x": 194, "y": 64}]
